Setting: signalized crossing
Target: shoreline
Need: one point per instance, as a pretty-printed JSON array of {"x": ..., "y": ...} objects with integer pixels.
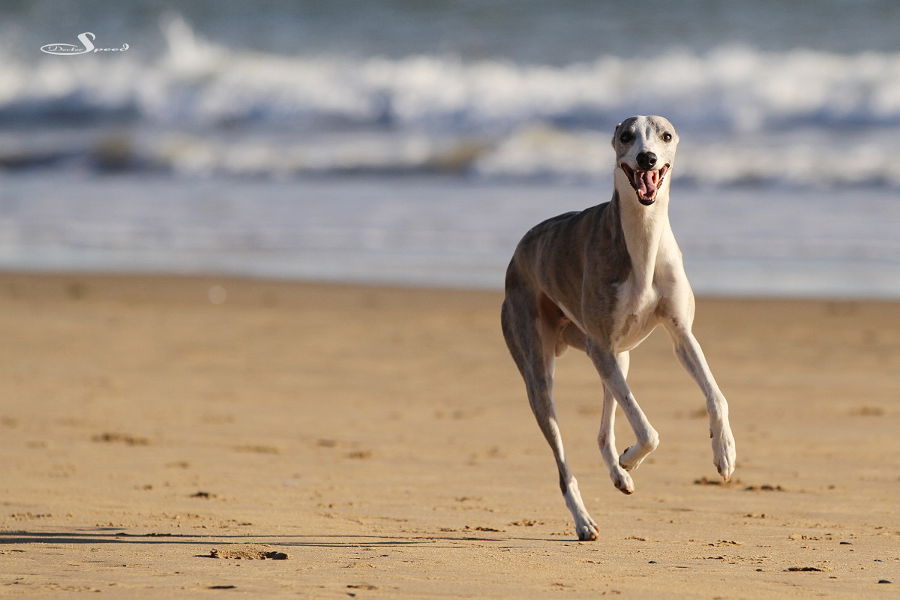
[{"x": 31, "y": 274}]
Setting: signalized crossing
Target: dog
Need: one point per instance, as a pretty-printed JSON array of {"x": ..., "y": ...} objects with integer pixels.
[{"x": 601, "y": 280}]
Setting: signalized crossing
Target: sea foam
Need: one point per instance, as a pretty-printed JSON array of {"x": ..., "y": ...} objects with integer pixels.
[{"x": 799, "y": 117}]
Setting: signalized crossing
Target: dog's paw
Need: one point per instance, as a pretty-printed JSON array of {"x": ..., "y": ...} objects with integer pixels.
[
  {"x": 634, "y": 455},
  {"x": 724, "y": 455},
  {"x": 587, "y": 531},
  {"x": 622, "y": 480},
  {"x": 630, "y": 458}
]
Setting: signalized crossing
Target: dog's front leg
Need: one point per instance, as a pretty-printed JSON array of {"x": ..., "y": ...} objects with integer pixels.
[
  {"x": 688, "y": 350},
  {"x": 614, "y": 379},
  {"x": 606, "y": 438}
]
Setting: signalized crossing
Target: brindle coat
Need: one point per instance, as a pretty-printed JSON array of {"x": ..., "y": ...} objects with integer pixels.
[{"x": 601, "y": 280}]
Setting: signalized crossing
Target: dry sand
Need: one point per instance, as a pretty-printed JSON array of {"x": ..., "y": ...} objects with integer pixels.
[{"x": 380, "y": 438}]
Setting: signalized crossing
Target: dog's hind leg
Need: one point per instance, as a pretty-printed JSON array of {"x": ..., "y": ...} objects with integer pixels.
[
  {"x": 532, "y": 337},
  {"x": 606, "y": 438},
  {"x": 614, "y": 379}
]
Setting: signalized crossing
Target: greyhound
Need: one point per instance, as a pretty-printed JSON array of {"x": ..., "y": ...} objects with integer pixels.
[{"x": 601, "y": 280}]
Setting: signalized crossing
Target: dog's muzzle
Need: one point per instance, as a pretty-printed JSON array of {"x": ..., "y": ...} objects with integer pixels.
[{"x": 645, "y": 183}]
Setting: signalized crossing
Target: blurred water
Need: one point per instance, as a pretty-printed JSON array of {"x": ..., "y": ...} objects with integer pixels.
[
  {"x": 526, "y": 31},
  {"x": 415, "y": 141},
  {"x": 429, "y": 230}
]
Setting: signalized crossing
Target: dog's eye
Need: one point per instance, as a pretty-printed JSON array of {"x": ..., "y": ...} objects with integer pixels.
[
  {"x": 626, "y": 137},
  {"x": 667, "y": 137}
]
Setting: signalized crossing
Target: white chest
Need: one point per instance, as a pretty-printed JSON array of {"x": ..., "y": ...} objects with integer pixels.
[{"x": 635, "y": 314}]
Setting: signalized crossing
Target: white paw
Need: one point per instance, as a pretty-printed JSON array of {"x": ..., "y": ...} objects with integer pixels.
[
  {"x": 635, "y": 454},
  {"x": 632, "y": 458},
  {"x": 622, "y": 480},
  {"x": 587, "y": 530},
  {"x": 724, "y": 456}
]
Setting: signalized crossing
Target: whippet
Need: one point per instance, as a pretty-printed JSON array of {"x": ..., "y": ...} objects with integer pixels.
[{"x": 601, "y": 280}]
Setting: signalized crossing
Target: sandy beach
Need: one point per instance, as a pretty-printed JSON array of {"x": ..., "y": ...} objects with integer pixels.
[{"x": 158, "y": 432}]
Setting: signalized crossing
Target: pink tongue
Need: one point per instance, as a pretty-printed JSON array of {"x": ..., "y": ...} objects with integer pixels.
[{"x": 648, "y": 183}]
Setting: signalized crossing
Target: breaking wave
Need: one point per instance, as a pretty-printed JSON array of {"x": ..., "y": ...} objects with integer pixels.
[{"x": 799, "y": 117}]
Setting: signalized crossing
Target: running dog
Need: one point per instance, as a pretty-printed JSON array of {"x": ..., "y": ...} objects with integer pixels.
[{"x": 601, "y": 280}]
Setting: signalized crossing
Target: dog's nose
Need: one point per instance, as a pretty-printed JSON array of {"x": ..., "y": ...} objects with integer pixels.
[{"x": 646, "y": 160}]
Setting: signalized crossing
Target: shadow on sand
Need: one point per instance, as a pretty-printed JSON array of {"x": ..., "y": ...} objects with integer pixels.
[{"x": 117, "y": 536}]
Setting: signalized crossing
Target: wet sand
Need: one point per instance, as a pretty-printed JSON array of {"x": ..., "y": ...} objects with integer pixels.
[{"x": 376, "y": 443}]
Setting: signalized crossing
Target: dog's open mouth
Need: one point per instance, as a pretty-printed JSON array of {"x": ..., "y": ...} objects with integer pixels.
[{"x": 646, "y": 183}]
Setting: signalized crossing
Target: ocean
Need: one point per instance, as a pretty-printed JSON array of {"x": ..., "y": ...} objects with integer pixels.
[{"x": 413, "y": 143}]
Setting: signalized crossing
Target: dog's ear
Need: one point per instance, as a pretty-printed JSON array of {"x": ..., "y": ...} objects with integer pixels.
[{"x": 615, "y": 133}]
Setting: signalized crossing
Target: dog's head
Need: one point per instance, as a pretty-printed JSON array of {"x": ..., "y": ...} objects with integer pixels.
[{"x": 645, "y": 150}]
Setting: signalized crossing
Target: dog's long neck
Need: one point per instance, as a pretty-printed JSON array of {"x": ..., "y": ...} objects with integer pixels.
[{"x": 642, "y": 229}]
